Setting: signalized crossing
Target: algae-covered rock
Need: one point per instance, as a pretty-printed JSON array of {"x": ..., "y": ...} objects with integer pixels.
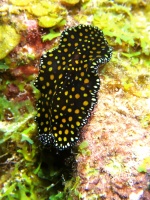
[
  {"x": 20, "y": 2},
  {"x": 44, "y": 8},
  {"x": 8, "y": 40},
  {"x": 48, "y": 13},
  {"x": 39, "y": 9},
  {"x": 48, "y": 21},
  {"x": 69, "y": 2}
]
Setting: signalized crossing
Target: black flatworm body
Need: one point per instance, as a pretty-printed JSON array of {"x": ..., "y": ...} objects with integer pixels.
[{"x": 68, "y": 81}]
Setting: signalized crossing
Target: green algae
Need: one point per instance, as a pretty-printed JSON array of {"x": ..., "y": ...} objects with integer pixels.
[
  {"x": 145, "y": 120},
  {"x": 125, "y": 24},
  {"x": 115, "y": 166},
  {"x": 72, "y": 186},
  {"x": 50, "y": 35},
  {"x": 3, "y": 66},
  {"x": 9, "y": 39},
  {"x": 83, "y": 148},
  {"x": 58, "y": 196},
  {"x": 15, "y": 129},
  {"x": 21, "y": 185},
  {"x": 145, "y": 165}
]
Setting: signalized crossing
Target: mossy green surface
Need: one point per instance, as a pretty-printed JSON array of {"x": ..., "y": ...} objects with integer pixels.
[
  {"x": 69, "y": 2},
  {"x": 125, "y": 24},
  {"x": 20, "y": 2},
  {"x": 83, "y": 148},
  {"x": 50, "y": 35},
  {"x": 145, "y": 165},
  {"x": 19, "y": 128},
  {"x": 9, "y": 38},
  {"x": 48, "y": 21},
  {"x": 49, "y": 13}
]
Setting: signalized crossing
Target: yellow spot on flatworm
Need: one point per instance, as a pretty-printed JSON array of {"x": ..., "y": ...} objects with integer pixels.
[
  {"x": 49, "y": 62},
  {"x": 66, "y": 93},
  {"x": 59, "y": 139},
  {"x": 77, "y": 111},
  {"x": 72, "y": 125},
  {"x": 65, "y": 50},
  {"x": 82, "y": 73},
  {"x": 46, "y": 115},
  {"x": 41, "y": 78},
  {"x": 63, "y": 120},
  {"x": 66, "y": 131},
  {"x": 51, "y": 77},
  {"x": 82, "y": 88},
  {"x": 85, "y": 94},
  {"x": 54, "y": 128},
  {"x": 69, "y": 110},
  {"x": 78, "y": 123},
  {"x": 64, "y": 107},
  {"x": 65, "y": 139},
  {"x": 59, "y": 67},
  {"x": 86, "y": 80},
  {"x": 72, "y": 37},
  {"x": 73, "y": 89},
  {"x": 77, "y": 96},
  {"x": 60, "y": 76},
  {"x": 85, "y": 103},
  {"x": 45, "y": 129},
  {"x": 61, "y": 125},
  {"x": 70, "y": 118}
]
